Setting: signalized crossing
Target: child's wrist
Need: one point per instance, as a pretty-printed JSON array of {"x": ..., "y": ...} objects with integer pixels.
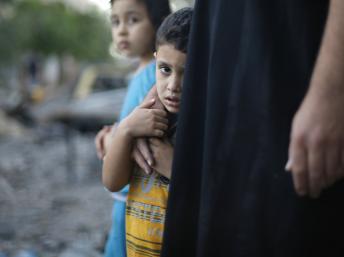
[{"x": 124, "y": 129}]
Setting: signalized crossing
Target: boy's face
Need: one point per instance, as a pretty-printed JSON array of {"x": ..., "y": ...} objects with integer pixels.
[
  {"x": 170, "y": 64},
  {"x": 132, "y": 30}
]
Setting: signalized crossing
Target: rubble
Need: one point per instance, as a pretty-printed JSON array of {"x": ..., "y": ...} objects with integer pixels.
[
  {"x": 10, "y": 127},
  {"x": 42, "y": 208}
]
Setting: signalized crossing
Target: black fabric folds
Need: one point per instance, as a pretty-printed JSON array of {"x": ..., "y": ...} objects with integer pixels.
[{"x": 248, "y": 69}]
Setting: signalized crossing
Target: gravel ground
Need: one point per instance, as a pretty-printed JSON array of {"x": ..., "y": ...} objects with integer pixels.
[{"x": 51, "y": 198}]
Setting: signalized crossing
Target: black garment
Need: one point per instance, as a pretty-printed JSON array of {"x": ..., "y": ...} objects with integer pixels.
[{"x": 248, "y": 69}]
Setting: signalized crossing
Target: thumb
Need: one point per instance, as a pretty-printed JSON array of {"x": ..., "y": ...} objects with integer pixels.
[
  {"x": 297, "y": 164},
  {"x": 148, "y": 104}
]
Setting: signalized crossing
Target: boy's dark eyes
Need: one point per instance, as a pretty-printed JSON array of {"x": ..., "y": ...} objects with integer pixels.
[
  {"x": 114, "y": 22},
  {"x": 133, "y": 20},
  {"x": 165, "y": 70}
]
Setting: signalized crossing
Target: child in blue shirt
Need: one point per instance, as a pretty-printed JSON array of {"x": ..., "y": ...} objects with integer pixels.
[{"x": 134, "y": 24}]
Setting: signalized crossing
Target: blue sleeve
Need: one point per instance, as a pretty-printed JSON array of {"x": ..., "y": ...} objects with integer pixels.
[
  {"x": 130, "y": 102},
  {"x": 138, "y": 88}
]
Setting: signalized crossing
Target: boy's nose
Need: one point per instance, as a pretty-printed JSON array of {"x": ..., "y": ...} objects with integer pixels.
[
  {"x": 122, "y": 29},
  {"x": 174, "y": 85}
]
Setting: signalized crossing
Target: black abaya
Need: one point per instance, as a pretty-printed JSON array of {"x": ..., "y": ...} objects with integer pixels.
[{"x": 249, "y": 67}]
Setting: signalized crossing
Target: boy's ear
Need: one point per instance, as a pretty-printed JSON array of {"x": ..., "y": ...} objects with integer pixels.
[{"x": 154, "y": 54}]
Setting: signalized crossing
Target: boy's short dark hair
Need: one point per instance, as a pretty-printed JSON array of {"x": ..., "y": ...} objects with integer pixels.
[
  {"x": 175, "y": 30},
  {"x": 157, "y": 10}
]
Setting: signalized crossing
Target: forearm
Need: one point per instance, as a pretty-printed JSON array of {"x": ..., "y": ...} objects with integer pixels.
[
  {"x": 118, "y": 165},
  {"x": 328, "y": 75},
  {"x": 316, "y": 150}
]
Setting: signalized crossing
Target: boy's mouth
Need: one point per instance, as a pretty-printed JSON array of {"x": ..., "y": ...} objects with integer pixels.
[
  {"x": 172, "y": 101},
  {"x": 123, "y": 45}
]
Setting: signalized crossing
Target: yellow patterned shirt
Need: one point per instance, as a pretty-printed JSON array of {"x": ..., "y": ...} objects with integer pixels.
[{"x": 145, "y": 214}]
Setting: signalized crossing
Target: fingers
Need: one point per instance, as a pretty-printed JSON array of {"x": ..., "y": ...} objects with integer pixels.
[
  {"x": 315, "y": 165},
  {"x": 158, "y": 112},
  {"x": 159, "y": 116},
  {"x": 161, "y": 119},
  {"x": 154, "y": 141},
  {"x": 298, "y": 166},
  {"x": 99, "y": 141},
  {"x": 154, "y": 115},
  {"x": 147, "y": 104},
  {"x": 316, "y": 171},
  {"x": 157, "y": 129},
  {"x": 143, "y": 147},
  {"x": 332, "y": 164},
  {"x": 152, "y": 93},
  {"x": 158, "y": 133},
  {"x": 160, "y": 126},
  {"x": 155, "y": 145},
  {"x": 160, "y": 122},
  {"x": 140, "y": 160}
]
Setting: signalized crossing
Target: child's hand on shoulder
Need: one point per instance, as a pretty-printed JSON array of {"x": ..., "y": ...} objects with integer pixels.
[
  {"x": 145, "y": 122},
  {"x": 153, "y": 93}
]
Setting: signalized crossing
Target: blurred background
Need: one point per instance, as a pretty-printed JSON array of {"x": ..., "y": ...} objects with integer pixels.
[{"x": 60, "y": 82}]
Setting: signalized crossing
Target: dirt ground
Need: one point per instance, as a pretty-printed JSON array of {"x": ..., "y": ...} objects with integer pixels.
[{"x": 52, "y": 202}]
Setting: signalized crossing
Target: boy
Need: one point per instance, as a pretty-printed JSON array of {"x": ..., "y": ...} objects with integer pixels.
[
  {"x": 147, "y": 199},
  {"x": 134, "y": 27}
]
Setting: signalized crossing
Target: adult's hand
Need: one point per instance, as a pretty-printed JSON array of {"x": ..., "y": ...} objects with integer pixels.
[
  {"x": 316, "y": 152},
  {"x": 317, "y": 144}
]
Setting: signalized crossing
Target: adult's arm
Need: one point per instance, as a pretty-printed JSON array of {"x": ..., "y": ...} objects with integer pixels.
[{"x": 316, "y": 151}]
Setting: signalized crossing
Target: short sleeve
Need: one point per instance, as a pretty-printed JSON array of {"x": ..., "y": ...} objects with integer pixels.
[{"x": 138, "y": 88}]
